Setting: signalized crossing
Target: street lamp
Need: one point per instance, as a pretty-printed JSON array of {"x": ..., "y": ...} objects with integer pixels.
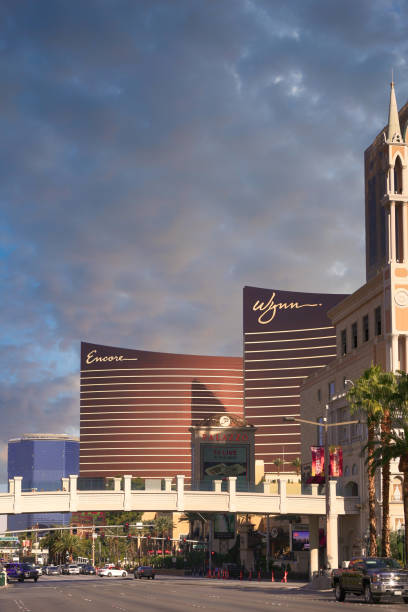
[
  {"x": 325, "y": 425},
  {"x": 401, "y": 534}
]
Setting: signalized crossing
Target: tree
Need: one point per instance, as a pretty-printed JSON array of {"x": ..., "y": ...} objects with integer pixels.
[
  {"x": 62, "y": 543},
  {"x": 397, "y": 448},
  {"x": 278, "y": 462},
  {"x": 297, "y": 464},
  {"x": 374, "y": 395}
]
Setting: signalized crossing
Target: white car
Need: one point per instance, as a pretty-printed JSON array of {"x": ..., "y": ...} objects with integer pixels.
[{"x": 111, "y": 571}]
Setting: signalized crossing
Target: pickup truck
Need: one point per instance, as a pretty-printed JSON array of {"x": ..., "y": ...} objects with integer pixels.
[{"x": 372, "y": 577}]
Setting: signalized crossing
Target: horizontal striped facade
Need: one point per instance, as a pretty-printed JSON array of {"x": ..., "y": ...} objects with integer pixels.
[
  {"x": 287, "y": 337},
  {"x": 136, "y": 408}
]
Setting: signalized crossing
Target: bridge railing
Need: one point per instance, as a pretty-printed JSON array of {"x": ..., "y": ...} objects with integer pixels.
[{"x": 157, "y": 497}]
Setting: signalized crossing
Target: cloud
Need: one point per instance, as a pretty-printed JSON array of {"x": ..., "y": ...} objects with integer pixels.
[{"x": 156, "y": 157}]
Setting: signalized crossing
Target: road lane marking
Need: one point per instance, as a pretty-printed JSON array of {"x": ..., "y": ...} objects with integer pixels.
[{"x": 21, "y": 605}]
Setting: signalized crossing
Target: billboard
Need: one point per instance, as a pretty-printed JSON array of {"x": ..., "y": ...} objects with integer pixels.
[{"x": 221, "y": 461}]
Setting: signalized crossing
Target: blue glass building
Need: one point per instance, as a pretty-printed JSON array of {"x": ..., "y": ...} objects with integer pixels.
[{"x": 42, "y": 460}]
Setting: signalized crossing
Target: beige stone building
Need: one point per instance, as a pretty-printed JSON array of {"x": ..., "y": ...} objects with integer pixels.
[{"x": 371, "y": 327}]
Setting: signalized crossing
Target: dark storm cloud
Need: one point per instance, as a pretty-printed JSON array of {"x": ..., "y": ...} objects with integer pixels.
[{"x": 156, "y": 156}]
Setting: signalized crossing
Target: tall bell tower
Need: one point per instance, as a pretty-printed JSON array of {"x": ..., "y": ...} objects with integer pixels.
[{"x": 395, "y": 270}]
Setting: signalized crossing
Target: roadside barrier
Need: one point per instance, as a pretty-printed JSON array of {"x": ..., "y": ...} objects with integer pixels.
[
  {"x": 240, "y": 575},
  {"x": 285, "y": 576},
  {"x": 273, "y": 577}
]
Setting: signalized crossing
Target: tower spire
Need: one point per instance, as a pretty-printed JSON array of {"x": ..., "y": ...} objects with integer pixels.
[{"x": 394, "y": 129}]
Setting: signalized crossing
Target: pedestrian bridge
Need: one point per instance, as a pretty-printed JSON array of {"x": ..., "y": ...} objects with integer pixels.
[{"x": 123, "y": 498}]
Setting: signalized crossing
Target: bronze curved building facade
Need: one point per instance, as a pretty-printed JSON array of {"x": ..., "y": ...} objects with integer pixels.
[
  {"x": 136, "y": 408},
  {"x": 287, "y": 337}
]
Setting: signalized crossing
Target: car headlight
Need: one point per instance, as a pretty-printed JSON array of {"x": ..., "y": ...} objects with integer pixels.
[{"x": 376, "y": 577}]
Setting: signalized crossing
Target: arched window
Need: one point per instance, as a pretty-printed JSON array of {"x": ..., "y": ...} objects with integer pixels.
[
  {"x": 396, "y": 490},
  {"x": 354, "y": 469},
  {"x": 346, "y": 470},
  {"x": 398, "y": 175},
  {"x": 351, "y": 489}
]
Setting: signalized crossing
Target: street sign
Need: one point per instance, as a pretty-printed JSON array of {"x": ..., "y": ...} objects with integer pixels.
[{"x": 8, "y": 539}]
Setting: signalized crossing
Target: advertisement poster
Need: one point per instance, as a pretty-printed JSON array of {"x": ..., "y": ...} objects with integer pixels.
[
  {"x": 317, "y": 460},
  {"x": 300, "y": 540},
  {"x": 336, "y": 461},
  {"x": 219, "y": 461},
  {"x": 224, "y": 526}
]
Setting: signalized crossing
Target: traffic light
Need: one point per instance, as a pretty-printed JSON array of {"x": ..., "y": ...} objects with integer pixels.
[
  {"x": 129, "y": 537},
  {"x": 97, "y": 530},
  {"x": 102, "y": 536},
  {"x": 212, "y": 553},
  {"x": 149, "y": 537},
  {"x": 125, "y": 527},
  {"x": 74, "y": 531}
]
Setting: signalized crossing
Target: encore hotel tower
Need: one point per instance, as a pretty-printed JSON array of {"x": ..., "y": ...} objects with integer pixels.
[{"x": 137, "y": 408}]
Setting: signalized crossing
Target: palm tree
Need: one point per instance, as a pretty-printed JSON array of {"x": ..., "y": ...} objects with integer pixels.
[
  {"x": 278, "y": 462},
  {"x": 373, "y": 395},
  {"x": 397, "y": 448},
  {"x": 297, "y": 464}
]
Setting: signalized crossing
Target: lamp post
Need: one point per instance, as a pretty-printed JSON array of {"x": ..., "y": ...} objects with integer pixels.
[
  {"x": 401, "y": 534},
  {"x": 325, "y": 426}
]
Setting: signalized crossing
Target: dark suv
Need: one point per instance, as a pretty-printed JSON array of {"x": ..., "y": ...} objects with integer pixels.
[
  {"x": 21, "y": 572},
  {"x": 144, "y": 571}
]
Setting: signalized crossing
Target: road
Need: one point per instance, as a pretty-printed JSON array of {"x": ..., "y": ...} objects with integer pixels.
[{"x": 165, "y": 593}]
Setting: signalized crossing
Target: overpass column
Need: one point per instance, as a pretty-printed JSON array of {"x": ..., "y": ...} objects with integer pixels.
[
  {"x": 331, "y": 529},
  {"x": 180, "y": 493},
  {"x": 17, "y": 494},
  {"x": 73, "y": 493},
  {"x": 232, "y": 490},
  {"x": 127, "y": 492},
  {"x": 314, "y": 544}
]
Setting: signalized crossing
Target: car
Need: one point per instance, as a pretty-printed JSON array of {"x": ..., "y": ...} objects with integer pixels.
[
  {"x": 112, "y": 571},
  {"x": 21, "y": 572},
  {"x": 372, "y": 577},
  {"x": 88, "y": 569},
  {"x": 71, "y": 568},
  {"x": 144, "y": 571},
  {"x": 39, "y": 569},
  {"x": 52, "y": 570}
]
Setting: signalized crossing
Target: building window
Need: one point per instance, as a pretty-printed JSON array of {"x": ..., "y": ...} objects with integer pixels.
[
  {"x": 366, "y": 334},
  {"x": 354, "y": 335},
  {"x": 354, "y": 469},
  {"x": 319, "y": 395},
  {"x": 343, "y": 342},
  {"x": 377, "y": 321},
  {"x": 331, "y": 389}
]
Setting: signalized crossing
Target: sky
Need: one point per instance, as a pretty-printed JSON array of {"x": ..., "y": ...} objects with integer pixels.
[{"x": 157, "y": 156}]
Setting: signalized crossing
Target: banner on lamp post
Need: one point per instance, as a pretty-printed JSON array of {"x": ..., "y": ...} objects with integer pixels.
[
  {"x": 336, "y": 461},
  {"x": 317, "y": 460}
]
